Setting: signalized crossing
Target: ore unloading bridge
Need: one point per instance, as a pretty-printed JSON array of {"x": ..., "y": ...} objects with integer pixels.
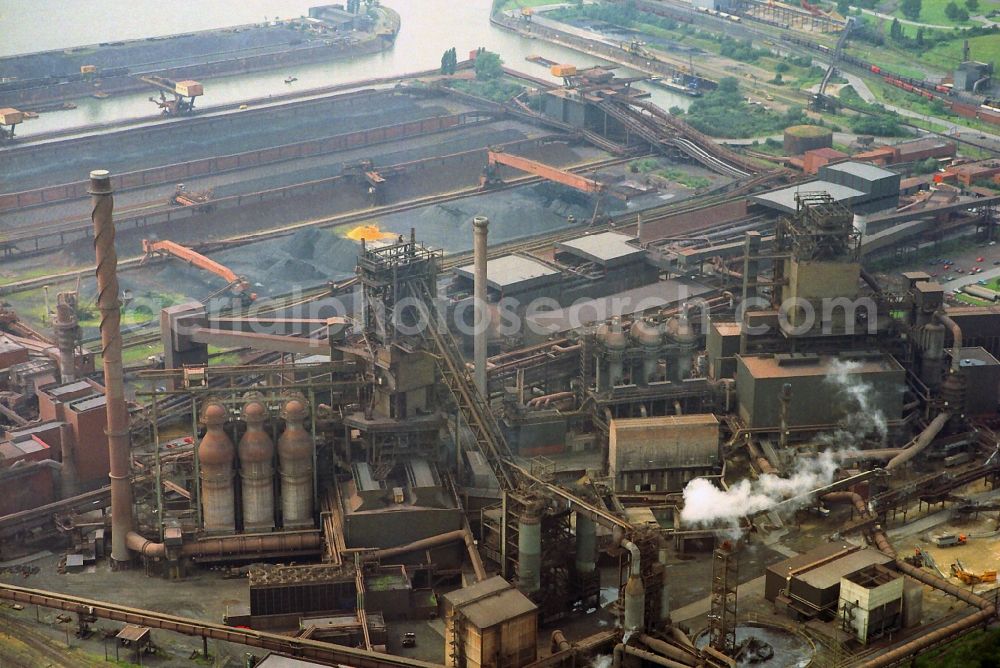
[{"x": 663, "y": 131}]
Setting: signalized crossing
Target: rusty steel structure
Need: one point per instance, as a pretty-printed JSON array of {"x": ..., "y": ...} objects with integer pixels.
[
  {"x": 238, "y": 284},
  {"x": 300, "y": 647}
]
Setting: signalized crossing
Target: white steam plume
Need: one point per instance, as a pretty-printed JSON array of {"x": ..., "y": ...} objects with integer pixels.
[
  {"x": 864, "y": 418},
  {"x": 708, "y": 506}
]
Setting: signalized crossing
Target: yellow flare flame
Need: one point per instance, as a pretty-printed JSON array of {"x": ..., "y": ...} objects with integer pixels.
[{"x": 369, "y": 233}]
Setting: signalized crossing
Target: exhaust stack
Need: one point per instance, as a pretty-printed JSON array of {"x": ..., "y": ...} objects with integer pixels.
[
  {"x": 102, "y": 207},
  {"x": 480, "y": 225}
]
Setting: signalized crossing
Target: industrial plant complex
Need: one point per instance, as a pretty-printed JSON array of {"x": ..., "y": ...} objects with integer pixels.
[{"x": 497, "y": 366}]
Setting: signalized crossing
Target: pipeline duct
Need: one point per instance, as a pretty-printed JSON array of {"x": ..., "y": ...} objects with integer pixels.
[
  {"x": 956, "y": 335},
  {"x": 920, "y": 443},
  {"x": 621, "y": 650},
  {"x": 417, "y": 545},
  {"x": 635, "y": 592},
  {"x": 671, "y": 651}
]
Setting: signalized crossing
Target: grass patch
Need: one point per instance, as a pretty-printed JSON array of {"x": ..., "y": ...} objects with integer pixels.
[
  {"x": 685, "y": 179},
  {"x": 985, "y": 48},
  {"x": 516, "y": 4},
  {"x": 497, "y": 90},
  {"x": 932, "y": 12},
  {"x": 724, "y": 112}
]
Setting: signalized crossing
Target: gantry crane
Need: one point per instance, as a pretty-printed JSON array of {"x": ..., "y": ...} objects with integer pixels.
[
  {"x": 184, "y": 93},
  {"x": 495, "y": 158},
  {"x": 237, "y": 284}
]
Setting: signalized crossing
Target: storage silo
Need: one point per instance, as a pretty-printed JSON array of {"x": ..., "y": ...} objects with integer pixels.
[
  {"x": 256, "y": 452},
  {"x": 295, "y": 461},
  {"x": 215, "y": 461}
]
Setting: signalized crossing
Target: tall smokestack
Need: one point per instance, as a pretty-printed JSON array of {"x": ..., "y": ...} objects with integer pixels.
[
  {"x": 102, "y": 206},
  {"x": 67, "y": 330},
  {"x": 480, "y": 227}
]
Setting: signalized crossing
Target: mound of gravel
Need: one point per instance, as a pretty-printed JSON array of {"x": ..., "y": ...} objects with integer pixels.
[{"x": 306, "y": 258}]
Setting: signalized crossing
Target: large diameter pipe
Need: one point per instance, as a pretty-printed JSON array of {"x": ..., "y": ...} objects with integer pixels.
[
  {"x": 102, "y": 207},
  {"x": 635, "y": 592},
  {"x": 621, "y": 649},
  {"x": 417, "y": 545},
  {"x": 956, "y": 335},
  {"x": 586, "y": 544},
  {"x": 295, "y": 541},
  {"x": 480, "y": 231},
  {"x": 920, "y": 443},
  {"x": 678, "y": 654}
]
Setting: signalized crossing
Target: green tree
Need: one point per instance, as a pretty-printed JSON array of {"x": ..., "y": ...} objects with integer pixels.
[
  {"x": 843, "y": 7},
  {"x": 895, "y": 31},
  {"x": 951, "y": 11},
  {"x": 973, "y": 5},
  {"x": 488, "y": 66},
  {"x": 911, "y": 9},
  {"x": 780, "y": 68},
  {"x": 920, "y": 38}
]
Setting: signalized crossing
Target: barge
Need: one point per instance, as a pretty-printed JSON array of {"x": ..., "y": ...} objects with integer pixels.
[
  {"x": 676, "y": 86},
  {"x": 33, "y": 80}
]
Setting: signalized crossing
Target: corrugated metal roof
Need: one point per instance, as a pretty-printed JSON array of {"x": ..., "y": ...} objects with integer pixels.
[
  {"x": 784, "y": 198},
  {"x": 863, "y": 169},
  {"x": 772, "y": 366},
  {"x": 699, "y": 419},
  {"x": 512, "y": 270},
  {"x": 606, "y": 247},
  {"x": 828, "y": 575},
  {"x": 70, "y": 388},
  {"x": 89, "y": 403},
  {"x": 922, "y": 144},
  {"x": 637, "y": 300},
  {"x": 490, "y": 602}
]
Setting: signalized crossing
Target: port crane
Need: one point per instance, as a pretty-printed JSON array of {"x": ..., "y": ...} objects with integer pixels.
[
  {"x": 183, "y": 94},
  {"x": 496, "y": 158},
  {"x": 238, "y": 285}
]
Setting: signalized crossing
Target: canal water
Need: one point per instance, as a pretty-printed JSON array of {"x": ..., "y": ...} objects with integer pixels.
[{"x": 428, "y": 28}]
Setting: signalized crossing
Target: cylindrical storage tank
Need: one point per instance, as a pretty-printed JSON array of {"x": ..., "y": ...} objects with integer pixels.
[
  {"x": 680, "y": 332},
  {"x": 801, "y": 138},
  {"x": 615, "y": 343},
  {"x": 295, "y": 461},
  {"x": 256, "y": 452},
  {"x": 586, "y": 544},
  {"x": 648, "y": 337},
  {"x": 215, "y": 462},
  {"x": 529, "y": 552}
]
